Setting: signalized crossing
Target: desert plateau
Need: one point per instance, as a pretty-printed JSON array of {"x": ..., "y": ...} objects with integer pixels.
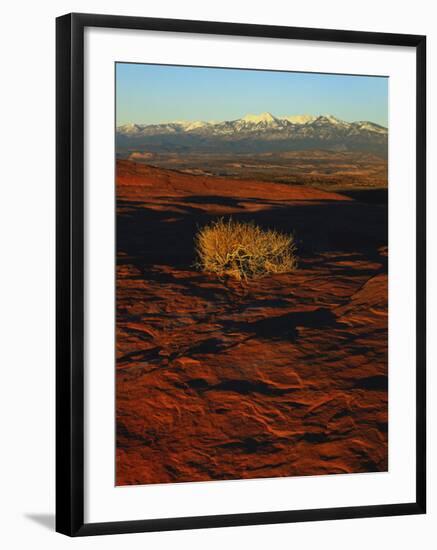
[{"x": 281, "y": 375}]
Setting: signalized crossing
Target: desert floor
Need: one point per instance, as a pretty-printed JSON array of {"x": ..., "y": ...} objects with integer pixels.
[{"x": 282, "y": 376}]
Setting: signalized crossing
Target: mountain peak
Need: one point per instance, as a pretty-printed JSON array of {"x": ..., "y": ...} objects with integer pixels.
[
  {"x": 330, "y": 118},
  {"x": 191, "y": 124},
  {"x": 299, "y": 119},
  {"x": 263, "y": 117}
]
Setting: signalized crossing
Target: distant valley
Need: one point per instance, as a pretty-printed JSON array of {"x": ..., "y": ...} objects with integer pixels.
[{"x": 330, "y": 170}]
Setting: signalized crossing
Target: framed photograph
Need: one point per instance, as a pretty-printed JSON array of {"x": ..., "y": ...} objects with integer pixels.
[{"x": 240, "y": 274}]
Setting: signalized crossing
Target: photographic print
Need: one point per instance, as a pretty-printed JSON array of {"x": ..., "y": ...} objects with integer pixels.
[{"x": 251, "y": 274}]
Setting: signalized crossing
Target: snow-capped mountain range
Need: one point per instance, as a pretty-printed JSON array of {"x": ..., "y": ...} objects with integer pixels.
[{"x": 255, "y": 133}]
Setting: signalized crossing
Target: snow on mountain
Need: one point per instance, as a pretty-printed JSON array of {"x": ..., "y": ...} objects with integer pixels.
[
  {"x": 256, "y": 133},
  {"x": 265, "y": 121},
  {"x": 256, "y": 119},
  {"x": 188, "y": 125},
  {"x": 331, "y": 120},
  {"x": 370, "y": 126},
  {"x": 299, "y": 119},
  {"x": 130, "y": 128}
]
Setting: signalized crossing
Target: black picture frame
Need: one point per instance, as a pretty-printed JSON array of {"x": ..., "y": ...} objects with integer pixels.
[{"x": 70, "y": 274}]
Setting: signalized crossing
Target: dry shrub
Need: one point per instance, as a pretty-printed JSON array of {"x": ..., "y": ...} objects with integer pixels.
[{"x": 243, "y": 250}]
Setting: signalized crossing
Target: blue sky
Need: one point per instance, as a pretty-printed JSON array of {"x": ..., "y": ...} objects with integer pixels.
[{"x": 159, "y": 93}]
